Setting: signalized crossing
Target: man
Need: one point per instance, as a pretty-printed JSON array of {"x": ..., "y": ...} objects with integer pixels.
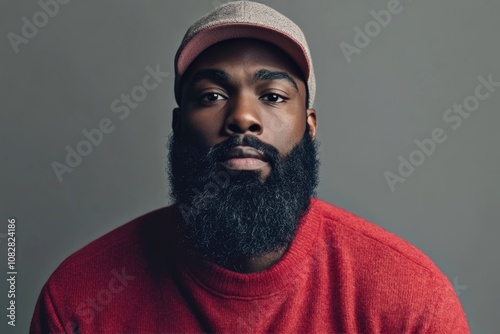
[{"x": 246, "y": 247}]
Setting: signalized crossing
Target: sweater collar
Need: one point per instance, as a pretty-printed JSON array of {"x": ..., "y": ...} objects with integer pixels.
[{"x": 291, "y": 267}]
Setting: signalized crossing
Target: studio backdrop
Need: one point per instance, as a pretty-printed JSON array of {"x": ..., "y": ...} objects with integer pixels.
[{"x": 408, "y": 110}]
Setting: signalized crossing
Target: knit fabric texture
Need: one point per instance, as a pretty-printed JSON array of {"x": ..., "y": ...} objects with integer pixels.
[{"x": 341, "y": 274}]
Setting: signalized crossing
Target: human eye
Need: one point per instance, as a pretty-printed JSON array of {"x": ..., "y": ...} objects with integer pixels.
[
  {"x": 211, "y": 97},
  {"x": 274, "y": 98}
]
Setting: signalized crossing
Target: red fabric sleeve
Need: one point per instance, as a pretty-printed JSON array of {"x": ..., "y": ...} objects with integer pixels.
[
  {"x": 447, "y": 314},
  {"x": 45, "y": 319}
]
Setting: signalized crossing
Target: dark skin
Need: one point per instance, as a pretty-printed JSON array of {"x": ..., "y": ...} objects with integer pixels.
[{"x": 245, "y": 87}]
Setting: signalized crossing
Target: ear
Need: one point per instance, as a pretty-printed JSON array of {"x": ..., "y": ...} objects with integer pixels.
[
  {"x": 311, "y": 120},
  {"x": 175, "y": 118}
]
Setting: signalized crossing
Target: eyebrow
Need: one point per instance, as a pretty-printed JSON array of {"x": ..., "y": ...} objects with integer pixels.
[
  {"x": 267, "y": 75},
  {"x": 222, "y": 77},
  {"x": 217, "y": 76}
]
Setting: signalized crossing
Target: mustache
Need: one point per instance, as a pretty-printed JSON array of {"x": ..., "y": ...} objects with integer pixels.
[{"x": 218, "y": 151}]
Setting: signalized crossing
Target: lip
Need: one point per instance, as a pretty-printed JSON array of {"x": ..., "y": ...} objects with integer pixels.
[{"x": 244, "y": 158}]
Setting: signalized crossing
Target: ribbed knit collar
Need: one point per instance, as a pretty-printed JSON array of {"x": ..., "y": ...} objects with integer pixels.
[{"x": 268, "y": 282}]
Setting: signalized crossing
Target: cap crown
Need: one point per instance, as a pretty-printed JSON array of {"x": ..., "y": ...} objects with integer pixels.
[{"x": 245, "y": 19}]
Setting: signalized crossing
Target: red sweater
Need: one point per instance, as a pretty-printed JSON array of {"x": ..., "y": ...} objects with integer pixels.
[{"x": 341, "y": 274}]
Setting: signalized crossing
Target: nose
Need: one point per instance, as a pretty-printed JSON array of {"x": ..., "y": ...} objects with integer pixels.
[{"x": 242, "y": 116}]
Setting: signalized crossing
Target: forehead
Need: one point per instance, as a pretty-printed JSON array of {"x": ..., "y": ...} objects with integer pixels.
[{"x": 245, "y": 53}]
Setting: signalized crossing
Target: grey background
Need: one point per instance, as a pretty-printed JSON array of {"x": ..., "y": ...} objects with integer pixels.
[{"x": 370, "y": 111}]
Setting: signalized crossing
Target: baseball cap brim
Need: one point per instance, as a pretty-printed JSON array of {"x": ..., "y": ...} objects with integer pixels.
[{"x": 213, "y": 35}]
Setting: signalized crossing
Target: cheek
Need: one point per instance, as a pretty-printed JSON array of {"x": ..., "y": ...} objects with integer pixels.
[
  {"x": 286, "y": 132},
  {"x": 202, "y": 128}
]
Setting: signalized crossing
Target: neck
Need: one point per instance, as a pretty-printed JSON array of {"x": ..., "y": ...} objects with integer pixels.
[{"x": 258, "y": 263}]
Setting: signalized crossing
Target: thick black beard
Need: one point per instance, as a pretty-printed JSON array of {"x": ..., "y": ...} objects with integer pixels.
[{"x": 231, "y": 216}]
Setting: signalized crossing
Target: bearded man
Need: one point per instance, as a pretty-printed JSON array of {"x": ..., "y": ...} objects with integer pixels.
[{"x": 246, "y": 247}]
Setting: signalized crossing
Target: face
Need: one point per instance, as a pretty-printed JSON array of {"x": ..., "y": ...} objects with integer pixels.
[
  {"x": 243, "y": 159},
  {"x": 244, "y": 87}
]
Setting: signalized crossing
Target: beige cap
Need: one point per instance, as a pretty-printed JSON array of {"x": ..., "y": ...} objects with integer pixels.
[{"x": 245, "y": 19}]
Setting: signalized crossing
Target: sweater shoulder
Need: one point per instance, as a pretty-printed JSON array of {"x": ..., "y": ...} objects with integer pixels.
[
  {"x": 121, "y": 244},
  {"x": 365, "y": 237}
]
